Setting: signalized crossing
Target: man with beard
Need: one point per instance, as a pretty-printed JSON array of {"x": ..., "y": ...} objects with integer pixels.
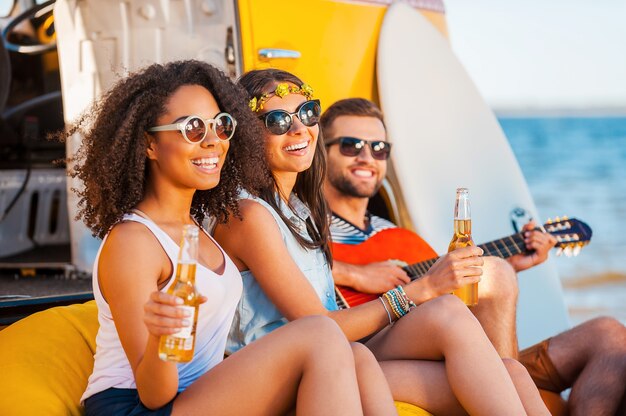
[{"x": 590, "y": 358}]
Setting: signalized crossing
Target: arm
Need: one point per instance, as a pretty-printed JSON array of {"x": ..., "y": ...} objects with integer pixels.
[
  {"x": 280, "y": 277},
  {"x": 375, "y": 277},
  {"x": 131, "y": 264},
  {"x": 538, "y": 242},
  {"x": 450, "y": 272}
]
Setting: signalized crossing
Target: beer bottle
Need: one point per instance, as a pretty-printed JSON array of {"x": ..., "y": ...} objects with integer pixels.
[
  {"x": 179, "y": 346},
  {"x": 462, "y": 238}
]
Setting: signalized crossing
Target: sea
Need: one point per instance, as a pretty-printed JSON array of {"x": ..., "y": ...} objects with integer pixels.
[{"x": 576, "y": 167}]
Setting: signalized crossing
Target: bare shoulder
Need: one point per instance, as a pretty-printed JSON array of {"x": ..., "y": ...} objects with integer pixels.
[
  {"x": 256, "y": 225},
  {"x": 253, "y": 216},
  {"x": 131, "y": 253}
]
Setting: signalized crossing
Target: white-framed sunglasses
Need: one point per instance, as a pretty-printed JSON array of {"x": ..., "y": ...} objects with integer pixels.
[{"x": 194, "y": 128}]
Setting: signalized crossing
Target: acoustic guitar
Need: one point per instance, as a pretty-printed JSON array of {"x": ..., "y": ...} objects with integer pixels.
[{"x": 416, "y": 256}]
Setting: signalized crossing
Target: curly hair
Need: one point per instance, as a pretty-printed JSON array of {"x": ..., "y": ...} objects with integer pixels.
[
  {"x": 309, "y": 184},
  {"x": 111, "y": 161}
]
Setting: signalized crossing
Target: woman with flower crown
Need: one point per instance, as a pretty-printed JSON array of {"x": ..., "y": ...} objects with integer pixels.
[
  {"x": 165, "y": 147},
  {"x": 435, "y": 355}
]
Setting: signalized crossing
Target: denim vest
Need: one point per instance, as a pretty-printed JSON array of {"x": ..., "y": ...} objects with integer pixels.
[{"x": 256, "y": 315}]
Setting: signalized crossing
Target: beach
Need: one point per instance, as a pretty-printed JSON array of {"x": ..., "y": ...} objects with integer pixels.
[{"x": 576, "y": 166}]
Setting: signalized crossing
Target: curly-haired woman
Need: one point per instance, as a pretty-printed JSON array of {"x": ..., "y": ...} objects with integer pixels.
[
  {"x": 155, "y": 148},
  {"x": 435, "y": 355}
]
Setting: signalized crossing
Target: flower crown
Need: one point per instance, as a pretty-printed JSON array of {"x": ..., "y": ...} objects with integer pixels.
[{"x": 282, "y": 89}]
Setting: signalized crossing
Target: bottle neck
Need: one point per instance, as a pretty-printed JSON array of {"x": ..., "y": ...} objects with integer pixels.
[
  {"x": 462, "y": 207},
  {"x": 462, "y": 215},
  {"x": 188, "y": 255}
]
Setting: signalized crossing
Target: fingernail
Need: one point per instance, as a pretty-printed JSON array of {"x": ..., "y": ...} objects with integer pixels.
[
  {"x": 179, "y": 301},
  {"x": 186, "y": 312},
  {"x": 186, "y": 322}
]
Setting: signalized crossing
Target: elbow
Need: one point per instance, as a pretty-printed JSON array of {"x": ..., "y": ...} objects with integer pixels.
[{"x": 155, "y": 401}]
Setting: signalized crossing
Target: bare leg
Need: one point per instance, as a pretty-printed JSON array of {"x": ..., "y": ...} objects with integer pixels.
[
  {"x": 497, "y": 305},
  {"x": 308, "y": 360},
  {"x": 533, "y": 404},
  {"x": 444, "y": 329},
  {"x": 375, "y": 393},
  {"x": 426, "y": 383},
  {"x": 591, "y": 357}
]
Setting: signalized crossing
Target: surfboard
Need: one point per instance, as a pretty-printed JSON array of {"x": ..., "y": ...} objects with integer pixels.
[{"x": 445, "y": 136}]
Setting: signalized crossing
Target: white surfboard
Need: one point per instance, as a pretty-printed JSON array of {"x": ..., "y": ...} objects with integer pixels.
[{"x": 445, "y": 136}]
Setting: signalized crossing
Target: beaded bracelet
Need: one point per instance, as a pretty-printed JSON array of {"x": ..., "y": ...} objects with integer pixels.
[
  {"x": 397, "y": 311},
  {"x": 406, "y": 298},
  {"x": 386, "y": 310}
]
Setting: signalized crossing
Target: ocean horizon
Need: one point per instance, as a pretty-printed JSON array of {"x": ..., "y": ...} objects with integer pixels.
[{"x": 575, "y": 165}]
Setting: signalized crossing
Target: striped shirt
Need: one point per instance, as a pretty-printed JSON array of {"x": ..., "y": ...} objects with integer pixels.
[{"x": 344, "y": 232}]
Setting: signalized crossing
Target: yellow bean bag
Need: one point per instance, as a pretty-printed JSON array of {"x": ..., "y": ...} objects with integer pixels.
[{"x": 47, "y": 358}]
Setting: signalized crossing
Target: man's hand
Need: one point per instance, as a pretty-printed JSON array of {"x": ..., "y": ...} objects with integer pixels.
[
  {"x": 451, "y": 271},
  {"x": 375, "y": 278},
  {"x": 539, "y": 242}
]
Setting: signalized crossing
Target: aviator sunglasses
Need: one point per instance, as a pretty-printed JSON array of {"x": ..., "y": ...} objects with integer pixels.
[
  {"x": 280, "y": 121},
  {"x": 351, "y": 146},
  {"x": 194, "y": 128}
]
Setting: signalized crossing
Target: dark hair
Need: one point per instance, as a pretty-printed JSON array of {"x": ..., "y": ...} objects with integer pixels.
[
  {"x": 349, "y": 107},
  {"x": 309, "y": 184},
  {"x": 111, "y": 161}
]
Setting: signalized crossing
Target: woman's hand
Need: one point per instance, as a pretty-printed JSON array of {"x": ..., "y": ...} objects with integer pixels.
[
  {"x": 451, "y": 271},
  {"x": 163, "y": 316}
]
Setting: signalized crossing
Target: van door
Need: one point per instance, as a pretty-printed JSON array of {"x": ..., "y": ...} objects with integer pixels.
[{"x": 331, "y": 44}]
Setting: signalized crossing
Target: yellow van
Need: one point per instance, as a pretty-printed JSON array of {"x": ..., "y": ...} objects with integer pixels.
[{"x": 330, "y": 43}]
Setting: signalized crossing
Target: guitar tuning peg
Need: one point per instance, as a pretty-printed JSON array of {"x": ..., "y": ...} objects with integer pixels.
[
  {"x": 568, "y": 251},
  {"x": 549, "y": 221},
  {"x": 576, "y": 250},
  {"x": 557, "y": 219},
  {"x": 565, "y": 218}
]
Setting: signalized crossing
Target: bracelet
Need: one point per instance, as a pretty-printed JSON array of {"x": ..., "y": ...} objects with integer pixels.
[
  {"x": 393, "y": 303},
  {"x": 386, "y": 310},
  {"x": 409, "y": 302}
]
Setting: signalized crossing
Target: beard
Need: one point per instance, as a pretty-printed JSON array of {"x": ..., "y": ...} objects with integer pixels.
[{"x": 344, "y": 185}]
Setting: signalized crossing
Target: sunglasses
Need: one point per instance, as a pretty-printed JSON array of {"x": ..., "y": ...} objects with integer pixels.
[
  {"x": 351, "y": 146},
  {"x": 280, "y": 121},
  {"x": 194, "y": 129}
]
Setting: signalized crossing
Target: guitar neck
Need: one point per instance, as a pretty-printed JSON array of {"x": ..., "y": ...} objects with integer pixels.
[{"x": 503, "y": 248}]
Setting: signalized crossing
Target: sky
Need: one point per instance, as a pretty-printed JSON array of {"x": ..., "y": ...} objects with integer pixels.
[{"x": 527, "y": 54}]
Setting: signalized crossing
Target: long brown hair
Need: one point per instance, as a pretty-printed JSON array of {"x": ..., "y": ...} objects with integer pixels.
[
  {"x": 112, "y": 159},
  {"x": 309, "y": 184}
]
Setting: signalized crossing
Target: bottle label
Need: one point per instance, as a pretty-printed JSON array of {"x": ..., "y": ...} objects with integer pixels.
[{"x": 185, "y": 332}]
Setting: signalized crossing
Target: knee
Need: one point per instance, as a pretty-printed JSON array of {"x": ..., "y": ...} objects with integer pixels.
[
  {"x": 322, "y": 334},
  {"x": 499, "y": 281},
  {"x": 608, "y": 334},
  {"x": 446, "y": 311}
]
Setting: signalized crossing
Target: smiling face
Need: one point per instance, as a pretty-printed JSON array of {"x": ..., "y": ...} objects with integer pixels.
[
  {"x": 358, "y": 176},
  {"x": 292, "y": 152},
  {"x": 178, "y": 162}
]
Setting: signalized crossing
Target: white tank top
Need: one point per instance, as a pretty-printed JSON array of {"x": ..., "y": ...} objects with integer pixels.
[{"x": 111, "y": 366}]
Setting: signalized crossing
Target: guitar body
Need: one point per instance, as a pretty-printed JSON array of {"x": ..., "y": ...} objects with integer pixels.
[{"x": 392, "y": 243}]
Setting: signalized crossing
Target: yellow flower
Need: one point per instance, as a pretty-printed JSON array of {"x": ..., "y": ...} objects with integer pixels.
[
  {"x": 252, "y": 104},
  {"x": 282, "y": 90},
  {"x": 307, "y": 90}
]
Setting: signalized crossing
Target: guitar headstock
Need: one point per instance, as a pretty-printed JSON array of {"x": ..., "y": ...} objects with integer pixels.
[{"x": 571, "y": 234}]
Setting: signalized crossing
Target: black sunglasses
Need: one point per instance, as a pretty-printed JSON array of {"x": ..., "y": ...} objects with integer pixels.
[
  {"x": 352, "y": 146},
  {"x": 280, "y": 121}
]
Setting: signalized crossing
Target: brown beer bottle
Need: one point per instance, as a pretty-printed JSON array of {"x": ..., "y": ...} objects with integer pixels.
[
  {"x": 462, "y": 238},
  {"x": 179, "y": 346}
]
